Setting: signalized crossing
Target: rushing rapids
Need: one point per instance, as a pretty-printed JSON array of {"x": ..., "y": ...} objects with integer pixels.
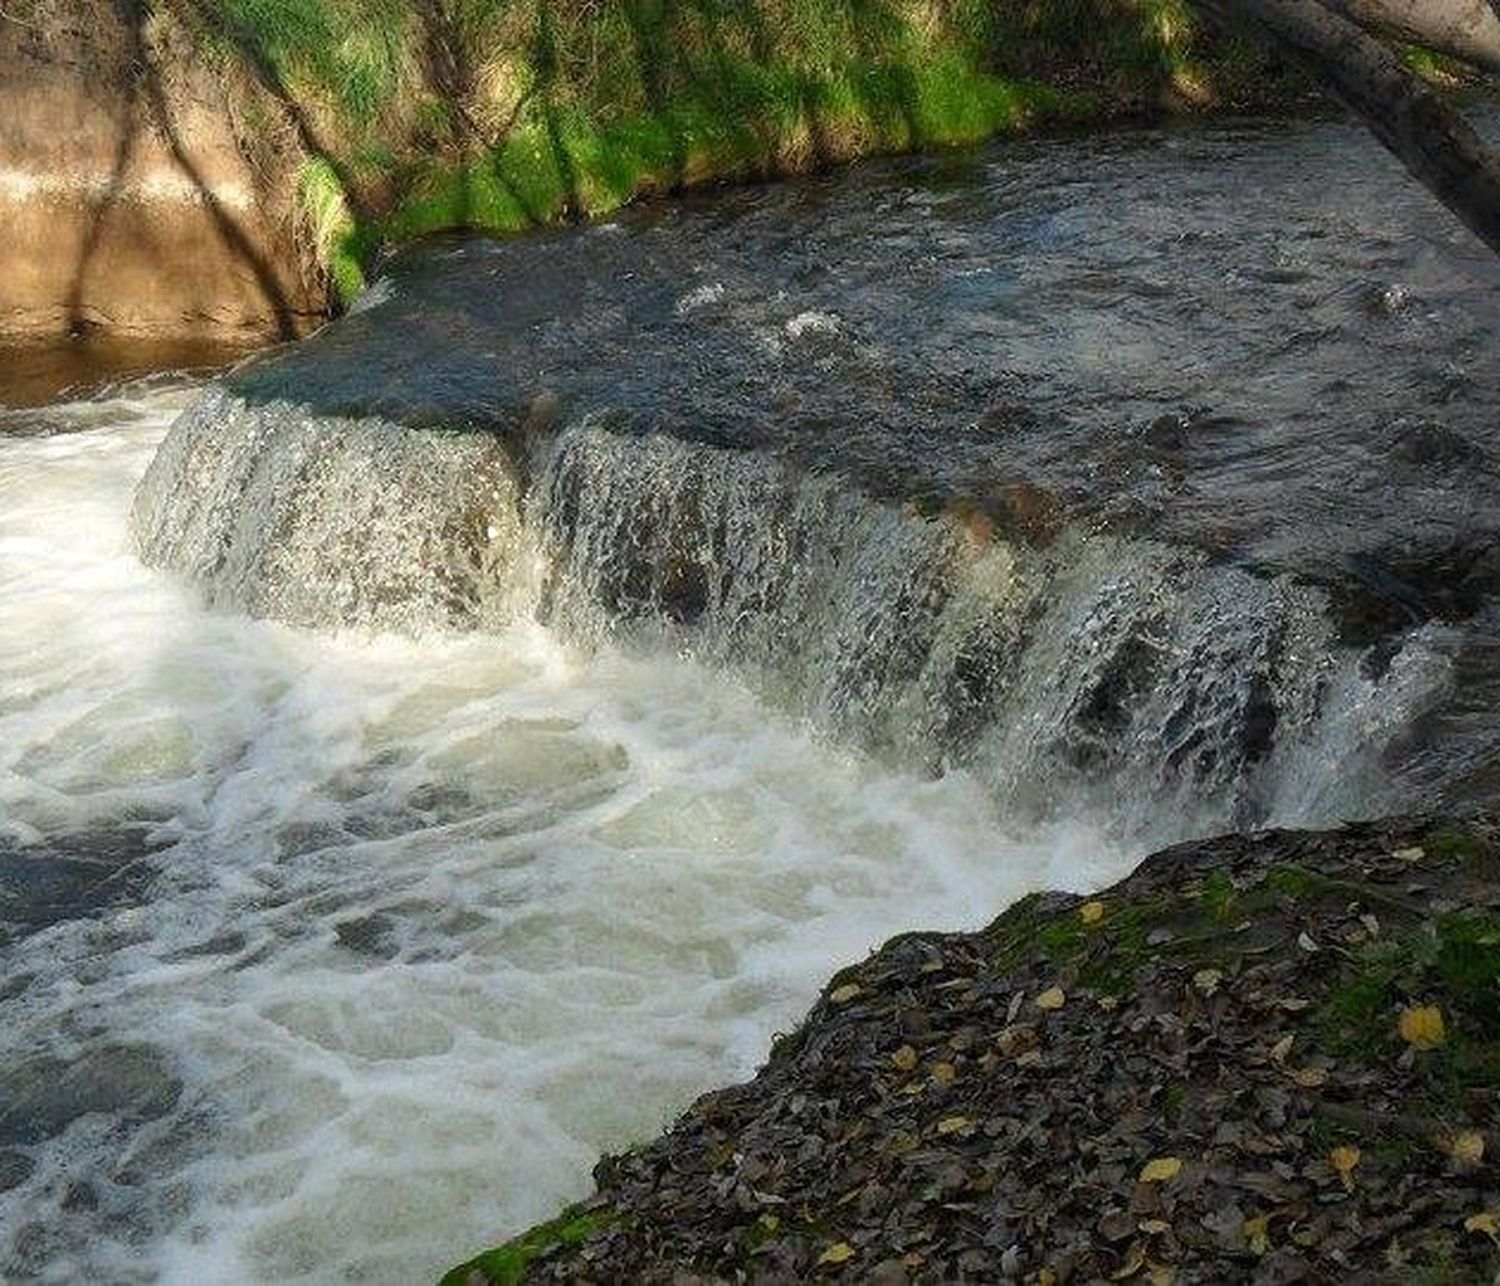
[{"x": 530, "y": 687}]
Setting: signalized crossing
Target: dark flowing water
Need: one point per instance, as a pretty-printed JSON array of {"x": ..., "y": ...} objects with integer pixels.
[{"x": 477, "y": 728}]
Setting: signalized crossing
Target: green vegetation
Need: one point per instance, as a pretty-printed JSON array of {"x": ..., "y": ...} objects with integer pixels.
[
  {"x": 506, "y": 1265},
  {"x": 423, "y": 115}
]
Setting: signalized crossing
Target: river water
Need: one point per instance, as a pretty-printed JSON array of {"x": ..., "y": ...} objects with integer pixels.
[{"x": 432, "y": 756}]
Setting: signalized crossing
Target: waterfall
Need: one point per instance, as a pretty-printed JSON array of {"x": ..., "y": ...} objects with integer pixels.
[{"x": 1146, "y": 682}]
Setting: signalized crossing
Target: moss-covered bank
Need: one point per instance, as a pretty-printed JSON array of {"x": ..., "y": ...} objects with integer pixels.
[
  {"x": 1270, "y": 1058},
  {"x": 419, "y": 115}
]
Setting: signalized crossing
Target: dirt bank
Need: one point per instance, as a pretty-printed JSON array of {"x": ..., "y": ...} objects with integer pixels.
[{"x": 137, "y": 200}]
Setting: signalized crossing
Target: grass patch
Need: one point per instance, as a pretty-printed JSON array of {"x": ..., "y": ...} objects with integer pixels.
[{"x": 427, "y": 115}]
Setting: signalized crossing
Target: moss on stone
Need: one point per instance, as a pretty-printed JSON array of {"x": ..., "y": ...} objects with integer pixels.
[{"x": 507, "y": 1265}]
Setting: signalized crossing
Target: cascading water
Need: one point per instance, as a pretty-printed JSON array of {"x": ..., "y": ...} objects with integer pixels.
[{"x": 693, "y": 603}]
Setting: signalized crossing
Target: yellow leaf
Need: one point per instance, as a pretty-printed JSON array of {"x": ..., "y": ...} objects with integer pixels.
[
  {"x": 1052, "y": 998},
  {"x": 841, "y": 1252},
  {"x": 1154, "y": 1226},
  {"x": 1466, "y": 1148},
  {"x": 1091, "y": 912},
  {"x": 845, "y": 993},
  {"x": 943, "y": 1073},
  {"x": 1487, "y": 1222},
  {"x": 1343, "y": 1159},
  {"x": 1207, "y": 981},
  {"x": 1421, "y": 1026},
  {"x": 1045, "y": 1277},
  {"x": 1310, "y": 1077},
  {"x": 1161, "y": 1169},
  {"x": 953, "y": 1124},
  {"x": 1258, "y": 1233},
  {"x": 770, "y": 1223},
  {"x": 1413, "y": 854},
  {"x": 1163, "y": 1275},
  {"x": 1282, "y": 1048},
  {"x": 905, "y": 1058}
]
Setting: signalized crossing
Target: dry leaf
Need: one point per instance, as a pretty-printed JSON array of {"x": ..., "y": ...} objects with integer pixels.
[
  {"x": 1052, "y": 998},
  {"x": 1154, "y": 1226},
  {"x": 1466, "y": 1148},
  {"x": 1421, "y": 1026},
  {"x": 1281, "y": 1049},
  {"x": 954, "y": 1124},
  {"x": 943, "y": 1073},
  {"x": 1258, "y": 1234},
  {"x": 1135, "y": 1260},
  {"x": 1091, "y": 912},
  {"x": 1343, "y": 1159},
  {"x": 841, "y": 1252},
  {"x": 1207, "y": 980},
  {"x": 1161, "y": 1169},
  {"x": 844, "y": 994},
  {"x": 1413, "y": 854},
  {"x": 1310, "y": 1077},
  {"x": 1163, "y": 1275},
  {"x": 1487, "y": 1222},
  {"x": 1045, "y": 1277},
  {"x": 905, "y": 1058}
]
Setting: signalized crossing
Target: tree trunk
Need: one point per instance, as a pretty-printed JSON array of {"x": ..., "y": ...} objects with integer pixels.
[
  {"x": 1465, "y": 29},
  {"x": 1434, "y": 142}
]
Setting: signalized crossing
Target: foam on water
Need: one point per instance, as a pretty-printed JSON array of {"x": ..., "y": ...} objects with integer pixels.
[{"x": 439, "y": 918}]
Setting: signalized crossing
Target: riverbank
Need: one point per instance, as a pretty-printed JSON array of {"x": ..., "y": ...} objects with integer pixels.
[
  {"x": 1269, "y": 1058},
  {"x": 234, "y": 169}
]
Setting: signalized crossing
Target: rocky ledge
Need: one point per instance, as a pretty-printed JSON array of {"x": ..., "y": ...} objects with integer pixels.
[{"x": 1271, "y": 1058}]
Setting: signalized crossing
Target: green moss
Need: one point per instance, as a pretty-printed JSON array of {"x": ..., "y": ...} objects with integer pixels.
[
  {"x": 506, "y": 1265},
  {"x": 504, "y": 114},
  {"x": 1453, "y": 962}
]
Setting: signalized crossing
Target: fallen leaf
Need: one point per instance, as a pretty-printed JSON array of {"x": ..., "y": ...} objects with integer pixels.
[
  {"x": 954, "y": 1125},
  {"x": 1014, "y": 1041},
  {"x": 943, "y": 1073},
  {"x": 1293, "y": 1004},
  {"x": 1207, "y": 980},
  {"x": 1052, "y": 998},
  {"x": 1163, "y": 1275},
  {"x": 1310, "y": 1077},
  {"x": 1154, "y": 1227},
  {"x": 1091, "y": 912},
  {"x": 1487, "y": 1222},
  {"x": 1045, "y": 1277},
  {"x": 1343, "y": 1159},
  {"x": 1282, "y": 1048},
  {"x": 841, "y": 1252},
  {"x": 1161, "y": 1169},
  {"x": 1258, "y": 1234},
  {"x": 1135, "y": 1260},
  {"x": 1305, "y": 941},
  {"x": 1413, "y": 854},
  {"x": 845, "y": 993},
  {"x": 1421, "y": 1026},
  {"x": 905, "y": 1058},
  {"x": 1466, "y": 1148}
]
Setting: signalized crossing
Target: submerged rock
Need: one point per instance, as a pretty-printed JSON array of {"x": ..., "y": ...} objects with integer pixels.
[{"x": 1268, "y": 1058}]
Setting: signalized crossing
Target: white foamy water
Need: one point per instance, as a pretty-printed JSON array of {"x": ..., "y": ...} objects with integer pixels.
[{"x": 438, "y": 919}]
